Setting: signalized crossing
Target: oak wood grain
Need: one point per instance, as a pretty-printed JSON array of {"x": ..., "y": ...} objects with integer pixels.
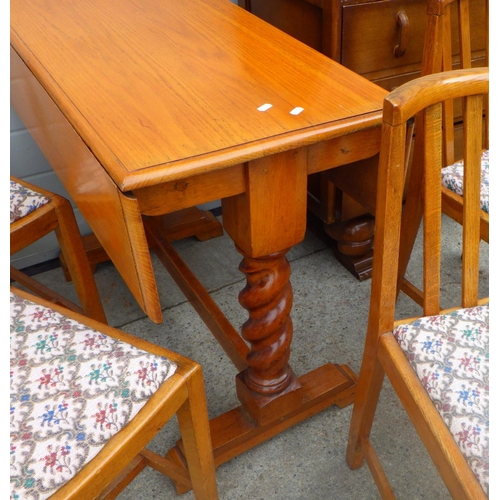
[{"x": 161, "y": 89}]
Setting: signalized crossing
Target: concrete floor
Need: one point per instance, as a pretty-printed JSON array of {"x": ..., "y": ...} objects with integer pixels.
[{"x": 330, "y": 312}]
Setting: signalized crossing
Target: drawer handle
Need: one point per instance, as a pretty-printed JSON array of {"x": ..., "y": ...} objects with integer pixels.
[{"x": 404, "y": 33}]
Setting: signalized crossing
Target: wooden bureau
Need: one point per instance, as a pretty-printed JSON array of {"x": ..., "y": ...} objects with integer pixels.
[{"x": 381, "y": 40}]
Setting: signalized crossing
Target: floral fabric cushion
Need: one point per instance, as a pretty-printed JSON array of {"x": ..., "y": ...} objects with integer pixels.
[
  {"x": 24, "y": 201},
  {"x": 450, "y": 354},
  {"x": 71, "y": 389},
  {"x": 452, "y": 177}
]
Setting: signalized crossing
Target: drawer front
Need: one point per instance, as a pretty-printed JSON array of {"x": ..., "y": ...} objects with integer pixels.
[
  {"x": 373, "y": 32},
  {"x": 391, "y": 82}
]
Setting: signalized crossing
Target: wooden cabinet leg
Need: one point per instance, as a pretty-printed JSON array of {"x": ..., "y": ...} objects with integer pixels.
[{"x": 353, "y": 244}]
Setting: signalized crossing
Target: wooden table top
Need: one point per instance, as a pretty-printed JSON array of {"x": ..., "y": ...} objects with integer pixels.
[{"x": 162, "y": 89}]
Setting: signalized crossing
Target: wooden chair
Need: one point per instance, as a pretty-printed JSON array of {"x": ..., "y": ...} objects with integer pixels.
[
  {"x": 438, "y": 56},
  {"x": 441, "y": 54},
  {"x": 35, "y": 212},
  {"x": 421, "y": 355},
  {"x": 85, "y": 401}
]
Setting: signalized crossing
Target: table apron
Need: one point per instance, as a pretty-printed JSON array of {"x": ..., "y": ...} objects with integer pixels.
[
  {"x": 195, "y": 190},
  {"x": 192, "y": 191}
]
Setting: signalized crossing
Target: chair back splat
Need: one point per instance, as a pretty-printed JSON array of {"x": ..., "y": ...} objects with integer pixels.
[{"x": 437, "y": 363}]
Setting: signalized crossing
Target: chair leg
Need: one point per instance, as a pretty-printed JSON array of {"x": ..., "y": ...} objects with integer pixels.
[
  {"x": 365, "y": 404},
  {"x": 75, "y": 257},
  {"x": 195, "y": 433},
  {"x": 42, "y": 291}
]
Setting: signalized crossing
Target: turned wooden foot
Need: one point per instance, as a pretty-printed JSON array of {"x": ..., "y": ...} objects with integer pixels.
[
  {"x": 353, "y": 244},
  {"x": 354, "y": 237}
]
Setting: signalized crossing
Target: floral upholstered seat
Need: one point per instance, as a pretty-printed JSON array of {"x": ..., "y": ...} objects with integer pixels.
[
  {"x": 452, "y": 177},
  {"x": 450, "y": 354},
  {"x": 24, "y": 201},
  {"x": 34, "y": 214},
  {"x": 72, "y": 389}
]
